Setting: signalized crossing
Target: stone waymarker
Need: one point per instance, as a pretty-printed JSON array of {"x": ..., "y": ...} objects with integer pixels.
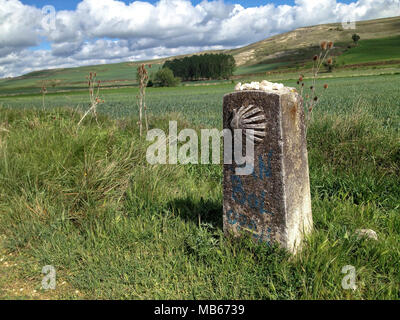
[{"x": 273, "y": 204}]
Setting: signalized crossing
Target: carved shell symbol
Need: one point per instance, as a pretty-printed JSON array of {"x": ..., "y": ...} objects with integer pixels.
[{"x": 252, "y": 118}]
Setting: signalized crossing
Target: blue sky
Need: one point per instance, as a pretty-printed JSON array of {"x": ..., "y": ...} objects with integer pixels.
[
  {"x": 111, "y": 31},
  {"x": 71, "y": 4}
]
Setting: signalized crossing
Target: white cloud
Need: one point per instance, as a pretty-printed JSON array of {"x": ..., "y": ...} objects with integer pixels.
[
  {"x": 18, "y": 26},
  {"x": 112, "y": 31}
]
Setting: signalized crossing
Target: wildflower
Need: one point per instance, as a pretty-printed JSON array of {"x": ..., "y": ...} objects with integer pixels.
[
  {"x": 330, "y": 61},
  {"x": 330, "y": 45},
  {"x": 324, "y": 45},
  {"x": 312, "y": 87},
  {"x": 315, "y": 99},
  {"x": 301, "y": 78},
  {"x": 315, "y": 58},
  {"x": 325, "y": 86}
]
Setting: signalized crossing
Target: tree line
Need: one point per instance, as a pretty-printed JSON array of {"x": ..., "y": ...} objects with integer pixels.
[{"x": 202, "y": 67}]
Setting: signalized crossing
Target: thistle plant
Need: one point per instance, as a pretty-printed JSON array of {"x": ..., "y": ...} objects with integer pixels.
[
  {"x": 311, "y": 99},
  {"x": 43, "y": 91},
  {"x": 94, "y": 92},
  {"x": 143, "y": 78}
]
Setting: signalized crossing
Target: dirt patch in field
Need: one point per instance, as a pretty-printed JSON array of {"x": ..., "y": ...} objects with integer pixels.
[
  {"x": 17, "y": 281},
  {"x": 243, "y": 57}
]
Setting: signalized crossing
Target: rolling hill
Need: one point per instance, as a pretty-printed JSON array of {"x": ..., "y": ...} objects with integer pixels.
[{"x": 294, "y": 45}]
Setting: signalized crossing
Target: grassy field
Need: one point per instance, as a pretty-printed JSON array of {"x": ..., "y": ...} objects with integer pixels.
[
  {"x": 111, "y": 75},
  {"x": 202, "y": 105},
  {"x": 372, "y": 50},
  {"x": 113, "y": 226}
]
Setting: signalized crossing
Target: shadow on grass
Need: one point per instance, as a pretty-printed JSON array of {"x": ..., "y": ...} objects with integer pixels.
[{"x": 200, "y": 211}]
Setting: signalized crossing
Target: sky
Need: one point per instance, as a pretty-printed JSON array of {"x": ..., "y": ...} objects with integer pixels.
[
  {"x": 72, "y": 4},
  {"x": 42, "y": 34}
]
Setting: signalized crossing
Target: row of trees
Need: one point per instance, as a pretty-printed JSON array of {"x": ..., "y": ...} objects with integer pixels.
[{"x": 202, "y": 67}]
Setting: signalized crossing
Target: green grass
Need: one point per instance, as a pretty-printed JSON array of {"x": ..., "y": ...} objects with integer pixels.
[
  {"x": 372, "y": 50},
  {"x": 115, "y": 227}
]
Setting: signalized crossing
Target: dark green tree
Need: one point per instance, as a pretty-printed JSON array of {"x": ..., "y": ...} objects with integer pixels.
[
  {"x": 356, "y": 38},
  {"x": 165, "y": 78},
  {"x": 203, "y": 67}
]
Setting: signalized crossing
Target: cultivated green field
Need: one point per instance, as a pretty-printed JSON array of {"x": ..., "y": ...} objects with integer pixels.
[
  {"x": 56, "y": 80},
  {"x": 372, "y": 50},
  {"x": 113, "y": 226},
  {"x": 202, "y": 105}
]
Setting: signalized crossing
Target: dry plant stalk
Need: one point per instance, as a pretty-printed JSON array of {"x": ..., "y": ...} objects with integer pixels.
[
  {"x": 143, "y": 78},
  {"x": 311, "y": 99},
  {"x": 94, "y": 90},
  {"x": 43, "y": 91}
]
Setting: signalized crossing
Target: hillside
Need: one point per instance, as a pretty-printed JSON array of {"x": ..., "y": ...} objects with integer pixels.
[
  {"x": 294, "y": 45},
  {"x": 288, "y": 50}
]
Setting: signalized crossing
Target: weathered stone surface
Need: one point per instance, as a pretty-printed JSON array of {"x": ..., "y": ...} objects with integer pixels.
[
  {"x": 366, "y": 233},
  {"x": 273, "y": 204}
]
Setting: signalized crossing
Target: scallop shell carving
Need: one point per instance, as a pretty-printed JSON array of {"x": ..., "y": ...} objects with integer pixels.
[{"x": 252, "y": 118}]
